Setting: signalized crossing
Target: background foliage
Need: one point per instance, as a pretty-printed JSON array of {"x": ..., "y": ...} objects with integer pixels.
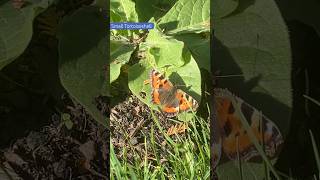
[
  {"x": 178, "y": 47},
  {"x": 249, "y": 30},
  {"x": 82, "y": 58},
  {"x": 252, "y": 54},
  {"x": 174, "y": 47}
]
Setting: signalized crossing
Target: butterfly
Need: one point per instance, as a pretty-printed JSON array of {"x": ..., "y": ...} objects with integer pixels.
[
  {"x": 171, "y": 99},
  {"x": 229, "y": 135}
]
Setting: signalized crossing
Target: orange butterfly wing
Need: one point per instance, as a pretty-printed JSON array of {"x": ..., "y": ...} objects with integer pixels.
[
  {"x": 234, "y": 137},
  {"x": 171, "y": 99},
  {"x": 186, "y": 102}
]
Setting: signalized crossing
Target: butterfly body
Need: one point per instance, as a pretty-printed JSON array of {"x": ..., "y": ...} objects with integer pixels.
[{"x": 171, "y": 99}]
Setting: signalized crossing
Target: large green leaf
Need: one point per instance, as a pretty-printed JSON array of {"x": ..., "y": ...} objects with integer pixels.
[
  {"x": 120, "y": 53},
  {"x": 16, "y": 28},
  {"x": 123, "y": 11},
  {"x": 164, "y": 50},
  {"x": 83, "y": 57},
  {"x": 169, "y": 57},
  {"x": 147, "y": 9},
  {"x": 187, "y": 16},
  {"x": 199, "y": 45},
  {"x": 223, "y": 8},
  {"x": 252, "y": 53}
]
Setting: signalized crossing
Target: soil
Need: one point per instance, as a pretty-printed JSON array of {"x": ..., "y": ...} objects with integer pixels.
[
  {"x": 56, "y": 152},
  {"x": 131, "y": 124}
]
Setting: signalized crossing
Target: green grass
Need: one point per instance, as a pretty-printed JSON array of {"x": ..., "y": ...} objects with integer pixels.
[
  {"x": 267, "y": 163},
  {"x": 258, "y": 146},
  {"x": 314, "y": 144},
  {"x": 316, "y": 152},
  {"x": 186, "y": 157},
  {"x": 189, "y": 157}
]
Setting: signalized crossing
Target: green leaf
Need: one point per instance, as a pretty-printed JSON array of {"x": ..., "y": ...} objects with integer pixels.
[
  {"x": 147, "y": 9},
  {"x": 123, "y": 11},
  {"x": 222, "y": 8},
  {"x": 252, "y": 53},
  {"x": 83, "y": 57},
  {"x": 187, "y": 16},
  {"x": 164, "y": 50},
  {"x": 16, "y": 28},
  {"x": 169, "y": 57},
  {"x": 199, "y": 45},
  {"x": 120, "y": 55}
]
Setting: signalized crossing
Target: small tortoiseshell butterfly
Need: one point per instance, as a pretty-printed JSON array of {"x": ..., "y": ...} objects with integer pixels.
[
  {"x": 229, "y": 135},
  {"x": 171, "y": 100}
]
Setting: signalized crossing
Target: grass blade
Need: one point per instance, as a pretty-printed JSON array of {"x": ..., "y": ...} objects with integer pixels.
[
  {"x": 316, "y": 152},
  {"x": 255, "y": 140},
  {"x": 312, "y": 100}
]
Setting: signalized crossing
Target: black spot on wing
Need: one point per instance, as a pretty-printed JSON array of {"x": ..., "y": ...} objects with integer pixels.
[
  {"x": 162, "y": 77},
  {"x": 275, "y": 132},
  {"x": 231, "y": 109},
  {"x": 227, "y": 128},
  {"x": 247, "y": 111}
]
